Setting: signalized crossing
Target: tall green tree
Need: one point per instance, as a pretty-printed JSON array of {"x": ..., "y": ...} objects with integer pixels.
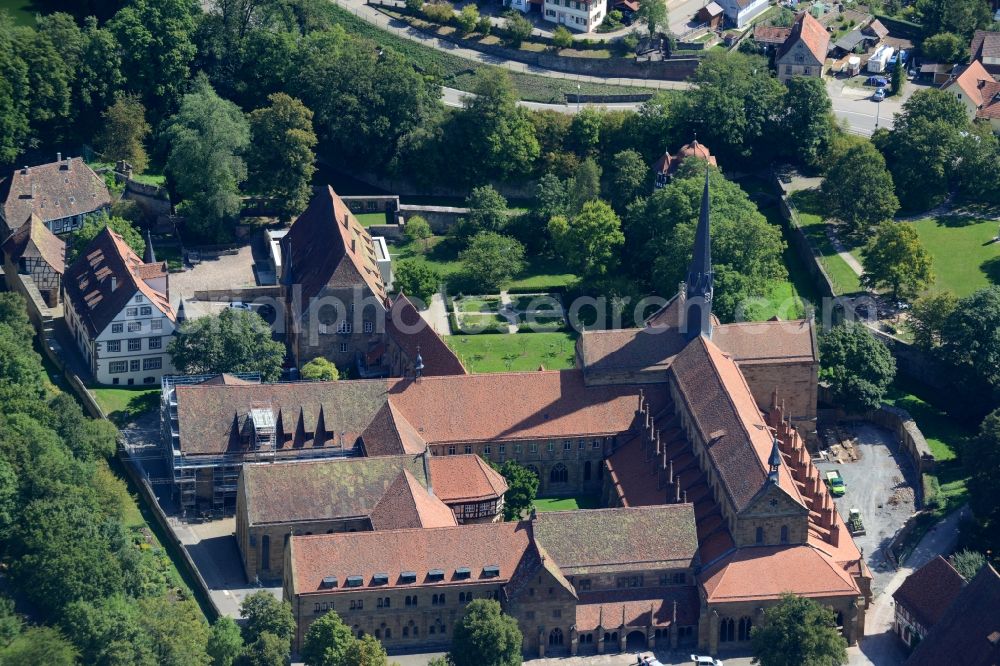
[
  {"x": 895, "y": 259},
  {"x": 928, "y": 316},
  {"x": 491, "y": 260},
  {"x": 654, "y": 14},
  {"x": 418, "y": 229},
  {"x": 800, "y": 632},
  {"x": 945, "y": 47},
  {"x": 978, "y": 170},
  {"x": 590, "y": 242},
  {"x": 858, "y": 367},
  {"x": 487, "y": 210},
  {"x": 207, "y": 138},
  {"x": 367, "y": 651},
  {"x": 14, "y": 93},
  {"x": 961, "y": 17},
  {"x": 321, "y": 369},
  {"x": 263, "y": 613},
  {"x": 225, "y": 644},
  {"x": 40, "y": 645},
  {"x": 157, "y": 49},
  {"x": 522, "y": 488},
  {"x": 124, "y": 132},
  {"x": 267, "y": 650},
  {"x": 485, "y": 636},
  {"x": 858, "y": 189},
  {"x": 177, "y": 629},
  {"x": 328, "y": 642},
  {"x": 416, "y": 279},
  {"x": 970, "y": 343},
  {"x": 584, "y": 186},
  {"x": 808, "y": 124},
  {"x": 982, "y": 461},
  {"x": 95, "y": 224},
  {"x": 281, "y": 154},
  {"x": 232, "y": 341},
  {"x": 630, "y": 176},
  {"x": 99, "y": 80}
]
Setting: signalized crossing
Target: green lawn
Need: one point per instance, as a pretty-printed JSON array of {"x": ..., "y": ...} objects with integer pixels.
[
  {"x": 368, "y": 219},
  {"x": 509, "y": 353},
  {"x": 122, "y": 404},
  {"x": 964, "y": 259},
  {"x": 567, "y": 503},
  {"x": 810, "y": 213},
  {"x": 22, "y": 11},
  {"x": 476, "y": 304}
]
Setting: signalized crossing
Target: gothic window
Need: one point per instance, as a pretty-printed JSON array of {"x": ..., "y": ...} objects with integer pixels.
[
  {"x": 559, "y": 474},
  {"x": 784, "y": 534},
  {"x": 727, "y": 630},
  {"x": 744, "y": 629},
  {"x": 556, "y": 637},
  {"x": 760, "y": 535}
]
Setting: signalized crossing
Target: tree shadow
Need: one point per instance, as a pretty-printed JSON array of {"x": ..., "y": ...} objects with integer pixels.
[
  {"x": 956, "y": 221},
  {"x": 992, "y": 269}
]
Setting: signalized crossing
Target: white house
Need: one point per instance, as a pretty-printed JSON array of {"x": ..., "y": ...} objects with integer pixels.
[
  {"x": 740, "y": 12},
  {"x": 579, "y": 15},
  {"x": 979, "y": 92},
  {"x": 118, "y": 311}
]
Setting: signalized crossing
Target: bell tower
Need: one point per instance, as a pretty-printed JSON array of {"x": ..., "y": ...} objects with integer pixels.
[{"x": 700, "y": 278}]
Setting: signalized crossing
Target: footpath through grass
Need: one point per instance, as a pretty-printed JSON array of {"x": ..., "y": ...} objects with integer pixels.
[
  {"x": 809, "y": 207},
  {"x": 574, "y": 503},
  {"x": 506, "y": 352}
]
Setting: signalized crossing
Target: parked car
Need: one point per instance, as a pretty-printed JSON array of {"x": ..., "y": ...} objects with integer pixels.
[
  {"x": 705, "y": 661},
  {"x": 878, "y": 95},
  {"x": 649, "y": 660},
  {"x": 836, "y": 483},
  {"x": 877, "y": 81}
]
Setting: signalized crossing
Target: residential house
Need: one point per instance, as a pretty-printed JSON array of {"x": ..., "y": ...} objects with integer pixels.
[
  {"x": 770, "y": 37},
  {"x": 35, "y": 251},
  {"x": 923, "y": 598},
  {"x": 578, "y": 15},
  {"x": 979, "y": 92},
  {"x": 969, "y": 631},
  {"x": 804, "y": 52},
  {"x": 62, "y": 194},
  {"x": 739, "y": 13},
  {"x": 985, "y": 47},
  {"x": 276, "y": 500},
  {"x": 118, "y": 311}
]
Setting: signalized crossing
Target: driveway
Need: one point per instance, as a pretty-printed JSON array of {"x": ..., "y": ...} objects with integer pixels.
[
  {"x": 225, "y": 272},
  {"x": 864, "y": 116}
]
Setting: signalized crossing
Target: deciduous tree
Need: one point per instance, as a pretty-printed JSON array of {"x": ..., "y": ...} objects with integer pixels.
[
  {"x": 321, "y": 369},
  {"x": 328, "y": 642},
  {"x": 225, "y": 644},
  {"x": 522, "y": 487},
  {"x": 654, "y": 14},
  {"x": 584, "y": 186},
  {"x": 895, "y": 259},
  {"x": 800, "y": 632},
  {"x": 418, "y": 229},
  {"x": 416, "y": 279},
  {"x": 281, "y": 154},
  {"x": 40, "y": 645},
  {"x": 124, "y": 131},
  {"x": 970, "y": 342},
  {"x": 95, "y": 224},
  {"x": 808, "y": 121},
  {"x": 485, "y": 636},
  {"x": 858, "y": 367},
  {"x": 629, "y": 178},
  {"x": 233, "y": 341},
  {"x": 491, "y": 260},
  {"x": 858, "y": 189},
  {"x": 945, "y": 47},
  {"x": 982, "y": 461},
  {"x": 590, "y": 242},
  {"x": 928, "y": 316},
  {"x": 487, "y": 210},
  {"x": 262, "y": 612}
]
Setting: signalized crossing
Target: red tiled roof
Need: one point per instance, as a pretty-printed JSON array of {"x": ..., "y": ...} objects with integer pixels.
[
  {"x": 88, "y": 282},
  {"x": 390, "y": 434},
  {"x": 770, "y": 34},
  {"x": 225, "y": 378},
  {"x": 652, "y": 348},
  {"x": 33, "y": 239},
  {"x": 407, "y": 504},
  {"x": 985, "y": 44},
  {"x": 929, "y": 591},
  {"x": 812, "y": 33},
  {"x": 419, "y": 550},
  {"x": 768, "y": 341},
  {"x": 409, "y": 330},
  {"x": 977, "y": 84},
  {"x": 327, "y": 246},
  {"x": 767, "y": 572},
  {"x": 641, "y": 607},
  {"x": 464, "y": 478},
  {"x": 472, "y": 408},
  {"x": 61, "y": 189}
]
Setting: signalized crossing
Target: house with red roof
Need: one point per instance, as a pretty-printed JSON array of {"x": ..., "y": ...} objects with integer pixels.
[
  {"x": 976, "y": 88},
  {"x": 804, "y": 52},
  {"x": 923, "y": 598},
  {"x": 62, "y": 194}
]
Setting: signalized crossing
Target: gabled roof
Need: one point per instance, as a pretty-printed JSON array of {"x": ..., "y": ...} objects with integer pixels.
[
  {"x": 811, "y": 33},
  {"x": 770, "y": 34},
  {"x": 713, "y": 9},
  {"x": 985, "y": 44},
  {"x": 413, "y": 335},
  {"x": 322, "y": 490},
  {"x": 53, "y": 191},
  {"x": 465, "y": 478},
  {"x": 595, "y": 541},
  {"x": 878, "y": 29},
  {"x": 771, "y": 341},
  {"x": 977, "y": 84},
  {"x": 327, "y": 246},
  {"x": 969, "y": 631},
  {"x": 929, "y": 591},
  {"x": 640, "y": 607},
  {"x": 730, "y": 423},
  {"x": 34, "y": 240},
  {"x": 472, "y": 547},
  {"x": 407, "y": 503},
  {"x": 389, "y": 434},
  {"x": 103, "y": 280}
]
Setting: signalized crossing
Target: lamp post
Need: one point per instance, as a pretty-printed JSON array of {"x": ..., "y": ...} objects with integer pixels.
[
  {"x": 578, "y": 98},
  {"x": 878, "y": 111}
]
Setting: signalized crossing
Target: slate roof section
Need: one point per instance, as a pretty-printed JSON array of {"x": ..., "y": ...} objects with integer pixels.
[
  {"x": 464, "y": 479},
  {"x": 407, "y": 504},
  {"x": 727, "y": 417},
  {"x": 969, "y": 632},
  {"x": 929, "y": 591},
  {"x": 596, "y": 541},
  {"x": 61, "y": 189},
  {"x": 812, "y": 33},
  {"x": 33, "y": 240},
  {"x": 985, "y": 44},
  {"x": 640, "y": 607},
  {"x": 767, "y": 572},
  {"x": 420, "y": 550},
  {"x": 322, "y": 490},
  {"x": 210, "y": 416},
  {"x": 512, "y": 405},
  {"x": 88, "y": 282},
  {"x": 649, "y": 348},
  {"x": 409, "y": 330},
  {"x": 327, "y": 246}
]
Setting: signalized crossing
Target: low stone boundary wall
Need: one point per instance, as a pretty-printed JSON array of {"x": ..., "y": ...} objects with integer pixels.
[
  {"x": 441, "y": 218},
  {"x": 239, "y": 294},
  {"x": 372, "y": 204}
]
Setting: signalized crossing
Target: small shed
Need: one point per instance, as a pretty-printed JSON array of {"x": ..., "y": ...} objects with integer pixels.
[{"x": 711, "y": 14}]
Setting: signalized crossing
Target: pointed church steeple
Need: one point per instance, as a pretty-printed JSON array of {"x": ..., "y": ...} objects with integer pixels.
[{"x": 700, "y": 278}]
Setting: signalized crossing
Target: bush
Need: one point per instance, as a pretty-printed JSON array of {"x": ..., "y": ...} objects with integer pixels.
[
  {"x": 439, "y": 12},
  {"x": 518, "y": 28},
  {"x": 562, "y": 38},
  {"x": 485, "y": 26},
  {"x": 414, "y": 5},
  {"x": 467, "y": 19},
  {"x": 631, "y": 41}
]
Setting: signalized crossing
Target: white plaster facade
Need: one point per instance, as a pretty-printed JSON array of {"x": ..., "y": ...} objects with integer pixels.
[{"x": 578, "y": 15}]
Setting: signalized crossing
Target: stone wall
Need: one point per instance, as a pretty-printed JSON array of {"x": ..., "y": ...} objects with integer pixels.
[
  {"x": 914, "y": 362},
  {"x": 441, "y": 218},
  {"x": 153, "y": 201}
]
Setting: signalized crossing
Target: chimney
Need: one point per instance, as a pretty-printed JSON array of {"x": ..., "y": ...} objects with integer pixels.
[
  {"x": 24, "y": 170},
  {"x": 354, "y": 245},
  {"x": 114, "y": 283},
  {"x": 58, "y": 157},
  {"x": 346, "y": 219}
]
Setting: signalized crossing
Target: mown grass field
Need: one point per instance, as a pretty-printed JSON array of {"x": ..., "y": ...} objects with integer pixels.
[
  {"x": 567, "y": 503},
  {"x": 964, "y": 257},
  {"x": 810, "y": 213},
  {"x": 504, "y": 352},
  {"x": 121, "y": 404}
]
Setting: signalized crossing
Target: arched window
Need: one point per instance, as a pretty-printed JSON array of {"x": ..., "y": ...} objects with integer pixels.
[
  {"x": 727, "y": 630},
  {"x": 388, "y": 632},
  {"x": 556, "y": 637},
  {"x": 586, "y": 471},
  {"x": 760, "y": 535},
  {"x": 559, "y": 474},
  {"x": 784, "y": 534},
  {"x": 746, "y": 624}
]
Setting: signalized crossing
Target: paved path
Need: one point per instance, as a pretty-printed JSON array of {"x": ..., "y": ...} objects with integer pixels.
[
  {"x": 453, "y": 97},
  {"x": 881, "y": 646},
  {"x": 507, "y": 311},
  {"x": 436, "y": 315}
]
